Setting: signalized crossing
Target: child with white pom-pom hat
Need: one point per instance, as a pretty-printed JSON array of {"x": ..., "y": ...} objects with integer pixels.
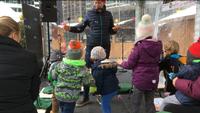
[{"x": 143, "y": 61}]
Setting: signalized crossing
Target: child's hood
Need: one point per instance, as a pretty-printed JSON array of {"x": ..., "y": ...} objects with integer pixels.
[
  {"x": 107, "y": 64},
  {"x": 153, "y": 48},
  {"x": 78, "y": 63}
]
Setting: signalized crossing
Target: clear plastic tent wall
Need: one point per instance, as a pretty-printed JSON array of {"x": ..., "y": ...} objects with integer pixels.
[{"x": 174, "y": 21}]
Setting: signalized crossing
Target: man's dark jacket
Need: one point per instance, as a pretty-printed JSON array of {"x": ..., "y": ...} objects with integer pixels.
[
  {"x": 19, "y": 78},
  {"x": 100, "y": 27}
]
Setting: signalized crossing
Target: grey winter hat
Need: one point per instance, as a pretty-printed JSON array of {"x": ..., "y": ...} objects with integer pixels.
[{"x": 98, "y": 53}]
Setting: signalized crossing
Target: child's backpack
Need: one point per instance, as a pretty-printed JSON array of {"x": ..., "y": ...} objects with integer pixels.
[
  {"x": 176, "y": 61},
  {"x": 183, "y": 60}
]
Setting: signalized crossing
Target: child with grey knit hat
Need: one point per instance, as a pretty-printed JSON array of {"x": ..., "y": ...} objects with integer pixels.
[{"x": 104, "y": 72}]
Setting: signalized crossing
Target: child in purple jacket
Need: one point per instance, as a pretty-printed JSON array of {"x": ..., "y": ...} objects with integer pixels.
[{"x": 144, "y": 63}]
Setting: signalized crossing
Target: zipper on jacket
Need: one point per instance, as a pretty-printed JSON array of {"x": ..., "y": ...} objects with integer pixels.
[{"x": 101, "y": 27}]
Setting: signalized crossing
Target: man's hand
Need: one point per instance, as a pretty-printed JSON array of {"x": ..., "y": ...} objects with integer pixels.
[
  {"x": 119, "y": 62},
  {"x": 66, "y": 27},
  {"x": 116, "y": 28}
]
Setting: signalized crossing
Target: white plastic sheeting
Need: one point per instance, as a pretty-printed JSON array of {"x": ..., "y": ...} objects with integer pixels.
[
  {"x": 7, "y": 11},
  {"x": 179, "y": 14}
]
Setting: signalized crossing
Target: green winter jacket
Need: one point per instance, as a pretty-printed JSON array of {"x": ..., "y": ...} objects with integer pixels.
[{"x": 70, "y": 76}]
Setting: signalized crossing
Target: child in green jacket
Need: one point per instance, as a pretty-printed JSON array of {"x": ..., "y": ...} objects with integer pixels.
[{"x": 71, "y": 73}]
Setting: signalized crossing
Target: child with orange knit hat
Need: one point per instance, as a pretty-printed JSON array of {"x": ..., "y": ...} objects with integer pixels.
[{"x": 71, "y": 73}]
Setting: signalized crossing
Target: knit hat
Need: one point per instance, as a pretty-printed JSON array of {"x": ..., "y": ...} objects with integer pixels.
[
  {"x": 193, "y": 52},
  {"x": 145, "y": 28},
  {"x": 98, "y": 53},
  {"x": 74, "y": 51}
]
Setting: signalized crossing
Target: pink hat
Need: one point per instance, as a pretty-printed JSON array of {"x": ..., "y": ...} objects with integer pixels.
[{"x": 145, "y": 28}]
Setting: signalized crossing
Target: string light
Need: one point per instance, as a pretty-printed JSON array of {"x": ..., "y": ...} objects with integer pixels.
[
  {"x": 80, "y": 19},
  {"x": 116, "y": 20}
]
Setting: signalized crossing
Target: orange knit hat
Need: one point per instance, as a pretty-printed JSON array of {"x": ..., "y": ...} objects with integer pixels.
[
  {"x": 74, "y": 51},
  {"x": 74, "y": 44}
]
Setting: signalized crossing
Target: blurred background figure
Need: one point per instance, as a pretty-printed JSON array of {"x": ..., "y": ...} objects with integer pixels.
[{"x": 170, "y": 63}]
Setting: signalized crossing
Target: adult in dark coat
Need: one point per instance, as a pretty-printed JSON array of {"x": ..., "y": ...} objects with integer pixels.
[
  {"x": 19, "y": 72},
  {"x": 101, "y": 26}
]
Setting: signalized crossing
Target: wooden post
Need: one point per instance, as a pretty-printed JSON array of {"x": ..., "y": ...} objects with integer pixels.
[{"x": 197, "y": 21}]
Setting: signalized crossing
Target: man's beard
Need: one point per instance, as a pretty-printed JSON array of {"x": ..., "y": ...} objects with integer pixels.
[{"x": 99, "y": 9}]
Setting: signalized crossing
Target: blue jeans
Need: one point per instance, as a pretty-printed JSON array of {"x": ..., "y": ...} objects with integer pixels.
[
  {"x": 67, "y": 107},
  {"x": 106, "y": 99}
]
